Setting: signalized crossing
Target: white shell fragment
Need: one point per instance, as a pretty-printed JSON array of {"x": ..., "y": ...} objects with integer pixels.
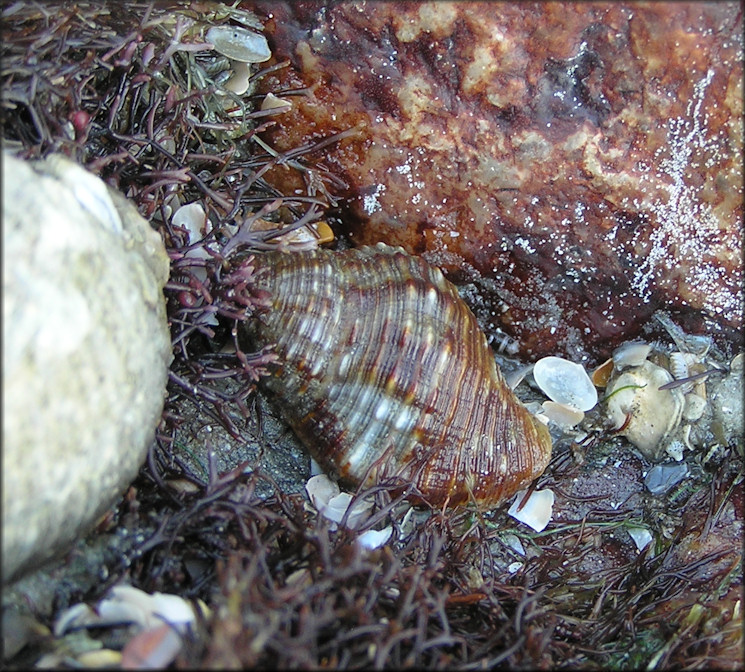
[
  {"x": 695, "y": 407},
  {"x": 333, "y": 504},
  {"x": 240, "y": 44},
  {"x": 337, "y": 508},
  {"x": 663, "y": 477},
  {"x": 564, "y": 416},
  {"x": 373, "y": 539},
  {"x": 125, "y": 604},
  {"x": 321, "y": 489},
  {"x": 565, "y": 382},
  {"x": 630, "y": 354},
  {"x": 537, "y": 510},
  {"x": 161, "y": 619},
  {"x": 238, "y": 82},
  {"x": 193, "y": 218},
  {"x": 272, "y": 102},
  {"x": 514, "y": 567},
  {"x": 641, "y": 535},
  {"x": 644, "y": 414}
]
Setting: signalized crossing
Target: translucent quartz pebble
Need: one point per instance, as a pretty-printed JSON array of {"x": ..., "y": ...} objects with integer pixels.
[
  {"x": 565, "y": 382},
  {"x": 239, "y": 44},
  {"x": 662, "y": 477}
]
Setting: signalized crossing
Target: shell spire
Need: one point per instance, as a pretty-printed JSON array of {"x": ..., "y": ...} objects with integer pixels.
[{"x": 384, "y": 373}]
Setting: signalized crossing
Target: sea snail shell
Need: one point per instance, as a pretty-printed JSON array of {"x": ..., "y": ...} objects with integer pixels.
[{"x": 384, "y": 372}]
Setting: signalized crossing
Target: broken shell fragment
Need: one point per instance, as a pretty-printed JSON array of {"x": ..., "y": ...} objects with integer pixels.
[
  {"x": 640, "y": 411},
  {"x": 238, "y": 82},
  {"x": 240, "y": 44},
  {"x": 373, "y": 539},
  {"x": 564, "y": 416},
  {"x": 309, "y": 236},
  {"x": 333, "y": 504},
  {"x": 536, "y": 512},
  {"x": 641, "y": 536},
  {"x": 695, "y": 407},
  {"x": 272, "y": 102},
  {"x": 193, "y": 218},
  {"x": 633, "y": 353},
  {"x": 601, "y": 374},
  {"x": 565, "y": 382}
]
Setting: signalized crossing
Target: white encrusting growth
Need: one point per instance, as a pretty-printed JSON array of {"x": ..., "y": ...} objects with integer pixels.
[{"x": 683, "y": 220}]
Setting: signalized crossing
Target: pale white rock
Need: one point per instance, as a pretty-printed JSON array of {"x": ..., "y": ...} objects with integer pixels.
[
  {"x": 565, "y": 382},
  {"x": 728, "y": 406},
  {"x": 86, "y": 349}
]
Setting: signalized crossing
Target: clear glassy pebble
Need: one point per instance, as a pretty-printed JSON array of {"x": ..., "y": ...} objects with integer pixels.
[
  {"x": 565, "y": 382},
  {"x": 662, "y": 477}
]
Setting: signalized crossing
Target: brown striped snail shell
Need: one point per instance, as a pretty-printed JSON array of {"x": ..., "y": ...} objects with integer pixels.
[{"x": 384, "y": 372}]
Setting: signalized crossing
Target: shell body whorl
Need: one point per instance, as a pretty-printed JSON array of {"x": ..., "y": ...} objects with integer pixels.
[{"x": 384, "y": 372}]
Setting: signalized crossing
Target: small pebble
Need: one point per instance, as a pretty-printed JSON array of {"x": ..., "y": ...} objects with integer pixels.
[{"x": 662, "y": 477}]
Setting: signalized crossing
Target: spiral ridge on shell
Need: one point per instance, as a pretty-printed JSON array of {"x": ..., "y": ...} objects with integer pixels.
[{"x": 385, "y": 374}]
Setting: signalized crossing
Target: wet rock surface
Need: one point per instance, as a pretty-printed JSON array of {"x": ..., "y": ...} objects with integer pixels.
[
  {"x": 86, "y": 349},
  {"x": 580, "y": 164}
]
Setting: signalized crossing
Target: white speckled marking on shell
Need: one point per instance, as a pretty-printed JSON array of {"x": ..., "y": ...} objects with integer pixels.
[{"x": 385, "y": 373}]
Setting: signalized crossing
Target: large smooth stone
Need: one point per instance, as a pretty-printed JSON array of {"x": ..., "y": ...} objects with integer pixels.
[{"x": 86, "y": 349}]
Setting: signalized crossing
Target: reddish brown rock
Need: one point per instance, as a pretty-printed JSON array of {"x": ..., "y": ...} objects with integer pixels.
[{"x": 580, "y": 163}]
